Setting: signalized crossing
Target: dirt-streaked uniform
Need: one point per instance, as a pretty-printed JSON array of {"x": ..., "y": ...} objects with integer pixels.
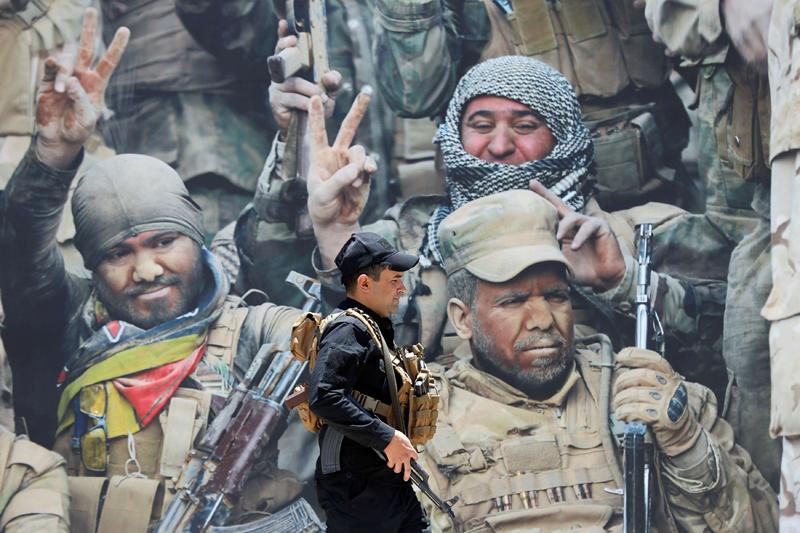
[{"x": 493, "y": 443}]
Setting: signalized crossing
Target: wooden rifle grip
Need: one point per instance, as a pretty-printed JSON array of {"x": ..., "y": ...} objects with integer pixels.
[{"x": 296, "y": 160}]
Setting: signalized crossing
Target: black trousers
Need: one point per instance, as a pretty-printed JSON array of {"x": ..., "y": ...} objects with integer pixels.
[{"x": 365, "y": 503}]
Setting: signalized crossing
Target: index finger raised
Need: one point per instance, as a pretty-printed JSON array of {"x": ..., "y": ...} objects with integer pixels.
[
  {"x": 347, "y": 131},
  {"x": 316, "y": 124},
  {"x": 561, "y": 207}
]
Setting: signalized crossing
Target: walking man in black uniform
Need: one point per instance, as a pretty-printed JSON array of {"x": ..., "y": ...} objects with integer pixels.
[{"x": 350, "y": 391}]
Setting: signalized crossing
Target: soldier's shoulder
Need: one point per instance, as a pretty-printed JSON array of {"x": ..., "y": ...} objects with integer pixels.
[
  {"x": 411, "y": 217},
  {"x": 341, "y": 324},
  {"x": 418, "y": 207}
]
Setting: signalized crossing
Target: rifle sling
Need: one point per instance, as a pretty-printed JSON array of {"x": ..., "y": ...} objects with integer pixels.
[{"x": 392, "y": 379}]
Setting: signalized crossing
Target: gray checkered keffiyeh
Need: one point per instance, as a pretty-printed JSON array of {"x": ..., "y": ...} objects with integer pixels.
[{"x": 564, "y": 171}]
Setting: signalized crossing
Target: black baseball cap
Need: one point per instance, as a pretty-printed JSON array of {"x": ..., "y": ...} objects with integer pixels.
[{"x": 366, "y": 248}]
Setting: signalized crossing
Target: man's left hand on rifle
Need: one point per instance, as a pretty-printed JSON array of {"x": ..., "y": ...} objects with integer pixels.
[{"x": 295, "y": 92}]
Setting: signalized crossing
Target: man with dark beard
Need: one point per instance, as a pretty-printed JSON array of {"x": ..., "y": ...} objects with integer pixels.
[
  {"x": 125, "y": 366},
  {"x": 524, "y": 441}
]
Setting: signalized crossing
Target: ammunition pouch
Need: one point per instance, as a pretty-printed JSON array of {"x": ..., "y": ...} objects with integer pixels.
[
  {"x": 743, "y": 129},
  {"x": 629, "y": 155},
  {"x": 119, "y": 505},
  {"x": 423, "y": 398}
]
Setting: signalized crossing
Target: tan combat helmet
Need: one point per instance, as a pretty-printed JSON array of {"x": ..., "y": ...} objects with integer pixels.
[{"x": 497, "y": 237}]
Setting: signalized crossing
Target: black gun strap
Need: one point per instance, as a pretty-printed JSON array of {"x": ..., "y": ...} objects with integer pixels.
[
  {"x": 388, "y": 367},
  {"x": 390, "y": 377}
]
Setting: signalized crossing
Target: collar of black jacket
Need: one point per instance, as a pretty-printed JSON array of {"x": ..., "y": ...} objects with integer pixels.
[{"x": 384, "y": 323}]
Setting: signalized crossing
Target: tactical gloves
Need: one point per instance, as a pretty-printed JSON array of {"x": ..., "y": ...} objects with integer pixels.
[{"x": 648, "y": 390}]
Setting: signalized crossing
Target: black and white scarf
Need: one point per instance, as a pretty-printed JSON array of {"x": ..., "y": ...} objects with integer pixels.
[{"x": 565, "y": 171}]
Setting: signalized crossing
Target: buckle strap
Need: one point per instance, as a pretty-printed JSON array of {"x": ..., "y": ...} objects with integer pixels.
[{"x": 372, "y": 404}]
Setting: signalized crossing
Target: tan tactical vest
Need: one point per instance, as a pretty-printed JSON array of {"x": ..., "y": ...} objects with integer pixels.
[
  {"x": 577, "y": 36},
  {"x": 417, "y": 409},
  {"x": 142, "y": 465},
  {"x": 31, "y": 502},
  {"x": 518, "y": 464}
]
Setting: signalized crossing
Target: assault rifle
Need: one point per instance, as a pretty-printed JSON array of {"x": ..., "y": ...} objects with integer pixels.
[
  {"x": 309, "y": 59},
  {"x": 638, "y": 454},
  {"x": 419, "y": 478},
  {"x": 253, "y": 418}
]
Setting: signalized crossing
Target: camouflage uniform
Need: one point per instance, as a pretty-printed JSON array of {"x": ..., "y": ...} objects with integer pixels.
[
  {"x": 479, "y": 453},
  {"x": 733, "y": 140},
  {"x": 175, "y": 101},
  {"x": 274, "y": 235},
  {"x": 523, "y": 459},
  {"x": 640, "y": 125},
  {"x": 782, "y": 308},
  {"x": 34, "y": 495}
]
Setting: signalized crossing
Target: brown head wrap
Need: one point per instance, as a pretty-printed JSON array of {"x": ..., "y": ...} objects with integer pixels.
[{"x": 129, "y": 194}]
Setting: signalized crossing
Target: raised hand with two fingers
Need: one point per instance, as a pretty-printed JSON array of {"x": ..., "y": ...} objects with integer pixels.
[
  {"x": 71, "y": 97},
  {"x": 338, "y": 179}
]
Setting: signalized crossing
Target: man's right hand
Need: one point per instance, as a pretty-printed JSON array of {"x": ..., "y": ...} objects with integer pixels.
[
  {"x": 338, "y": 178},
  {"x": 399, "y": 454},
  {"x": 295, "y": 92},
  {"x": 588, "y": 243},
  {"x": 71, "y": 99}
]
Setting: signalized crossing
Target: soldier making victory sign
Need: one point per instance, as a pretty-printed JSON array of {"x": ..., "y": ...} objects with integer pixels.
[
  {"x": 350, "y": 384},
  {"x": 122, "y": 367}
]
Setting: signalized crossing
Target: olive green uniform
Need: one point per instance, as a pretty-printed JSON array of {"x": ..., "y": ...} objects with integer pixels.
[
  {"x": 733, "y": 142},
  {"x": 551, "y": 464}
]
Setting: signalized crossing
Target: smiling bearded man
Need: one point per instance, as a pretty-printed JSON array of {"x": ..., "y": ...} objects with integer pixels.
[
  {"x": 123, "y": 366},
  {"x": 523, "y": 439}
]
